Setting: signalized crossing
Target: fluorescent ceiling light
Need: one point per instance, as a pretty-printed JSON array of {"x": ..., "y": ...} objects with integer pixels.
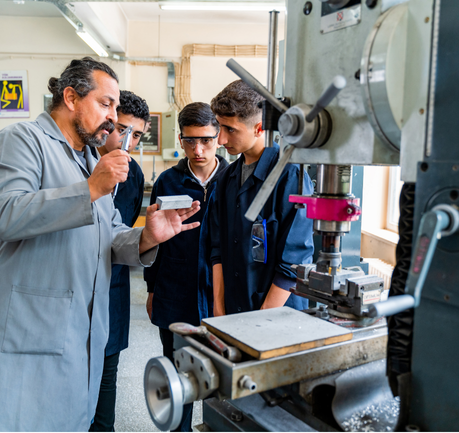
[
  {"x": 95, "y": 46},
  {"x": 221, "y": 6}
]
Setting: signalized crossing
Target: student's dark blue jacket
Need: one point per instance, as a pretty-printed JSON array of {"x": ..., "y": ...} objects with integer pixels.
[
  {"x": 128, "y": 201},
  {"x": 181, "y": 276},
  {"x": 289, "y": 234}
]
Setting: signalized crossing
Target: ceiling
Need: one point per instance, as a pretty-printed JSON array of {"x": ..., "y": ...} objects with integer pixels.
[
  {"x": 108, "y": 21},
  {"x": 139, "y": 11}
]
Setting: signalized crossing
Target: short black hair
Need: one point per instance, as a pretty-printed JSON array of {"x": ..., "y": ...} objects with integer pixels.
[
  {"x": 78, "y": 75},
  {"x": 130, "y": 103},
  {"x": 237, "y": 99},
  {"x": 197, "y": 114}
]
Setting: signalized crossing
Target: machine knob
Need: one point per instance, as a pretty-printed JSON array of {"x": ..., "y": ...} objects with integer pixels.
[{"x": 288, "y": 124}]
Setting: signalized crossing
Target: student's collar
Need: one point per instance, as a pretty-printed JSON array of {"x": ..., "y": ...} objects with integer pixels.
[
  {"x": 203, "y": 184},
  {"x": 262, "y": 170}
]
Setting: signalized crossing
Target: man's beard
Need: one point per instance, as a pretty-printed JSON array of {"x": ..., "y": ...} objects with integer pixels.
[{"x": 91, "y": 139}]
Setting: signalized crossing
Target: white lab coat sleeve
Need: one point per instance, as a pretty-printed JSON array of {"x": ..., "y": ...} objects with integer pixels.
[
  {"x": 125, "y": 244},
  {"x": 26, "y": 209}
]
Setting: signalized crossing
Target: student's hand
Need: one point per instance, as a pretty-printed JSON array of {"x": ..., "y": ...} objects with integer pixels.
[
  {"x": 112, "y": 168},
  {"x": 161, "y": 225},
  {"x": 218, "y": 289},
  {"x": 275, "y": 298},
  {"x": 219, "y": 309},
  {"x": 149, "y": 305}
]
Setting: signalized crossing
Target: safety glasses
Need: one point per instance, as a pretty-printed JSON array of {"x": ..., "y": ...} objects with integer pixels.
[{"x": 192, "y": 142}]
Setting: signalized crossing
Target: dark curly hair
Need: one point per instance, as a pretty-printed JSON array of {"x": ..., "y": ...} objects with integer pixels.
[
  {"x": 197, "y": 114},
  {"x": 238, "y": 99},
  {"x": 78, "y": 75},
  {"x": 130, "y": 103}
]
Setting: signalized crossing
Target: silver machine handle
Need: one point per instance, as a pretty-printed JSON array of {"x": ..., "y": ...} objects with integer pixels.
[
  {"x": 441, "y": 221},
  {"x": 254, "y": 84},
  {"x": 339, "y": 82}
]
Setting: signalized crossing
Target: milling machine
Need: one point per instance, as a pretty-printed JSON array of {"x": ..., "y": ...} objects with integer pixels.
[{"x": 391, "y": 101}]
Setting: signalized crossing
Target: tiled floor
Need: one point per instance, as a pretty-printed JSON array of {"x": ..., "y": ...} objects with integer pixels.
[{"x": 144, "y": 343}]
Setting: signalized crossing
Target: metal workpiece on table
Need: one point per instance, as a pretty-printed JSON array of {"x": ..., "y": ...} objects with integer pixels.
[{"x": 368, "y": 344}]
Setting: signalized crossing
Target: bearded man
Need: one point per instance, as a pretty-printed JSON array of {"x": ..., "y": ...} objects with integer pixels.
[{"x": 59, "y": 234}]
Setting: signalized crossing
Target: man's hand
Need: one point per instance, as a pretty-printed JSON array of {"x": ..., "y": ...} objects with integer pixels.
[
  {"x": 150, "y": 304},
  {"x": 112, "y": 168},
  {"x": 161, "y": 225}
]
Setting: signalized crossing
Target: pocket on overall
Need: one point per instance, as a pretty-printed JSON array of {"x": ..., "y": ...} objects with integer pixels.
[{"x": 37, "y": 321}]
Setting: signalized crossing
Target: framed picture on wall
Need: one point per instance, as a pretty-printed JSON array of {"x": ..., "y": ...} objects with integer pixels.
[{"x": 151, "y": 138}]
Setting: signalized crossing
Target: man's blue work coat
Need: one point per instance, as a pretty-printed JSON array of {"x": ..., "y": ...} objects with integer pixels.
[
  {"x": 289, "y": 234},
  {"x": 181, "y": 278},
  {"x": 128, "y": 201}
]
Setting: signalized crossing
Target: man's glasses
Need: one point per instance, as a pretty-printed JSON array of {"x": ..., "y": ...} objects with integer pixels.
[{"x": 192, "y": 142}]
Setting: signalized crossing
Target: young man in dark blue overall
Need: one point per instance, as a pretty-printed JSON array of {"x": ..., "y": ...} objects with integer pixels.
[
  {"x": 128, "y": 200},
  {"x": 251, "y": 275},
  {"x": 180, "y": 281}
]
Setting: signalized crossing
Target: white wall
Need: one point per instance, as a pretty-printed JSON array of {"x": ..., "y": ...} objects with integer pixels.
[
  {"x": 209, "y": 75},
  {"x": 44, "y": 46}
]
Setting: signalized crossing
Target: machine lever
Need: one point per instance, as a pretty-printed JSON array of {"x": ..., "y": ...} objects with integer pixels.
[
  {"x": 254, "y": 84},
  {"x": 269, "y": 184},
  {"x": 338, "y": 84},
  {"x": 441, "y": 221},
  {"x": 231, "y": 353},
  {"x": 392, "y": 306}
]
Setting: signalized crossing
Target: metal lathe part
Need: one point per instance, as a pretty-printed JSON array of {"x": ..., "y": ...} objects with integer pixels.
[
  {"x": 322, "y": 226},
  {"x": 246, "y": 382},
  {"x": 163, "y": 393},
  {"x": 334, "y": 179},
  {"x": 393, "y": 305}
]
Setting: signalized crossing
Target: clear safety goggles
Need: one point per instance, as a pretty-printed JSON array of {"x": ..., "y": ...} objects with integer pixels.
[{"x": 192, "y": 142}]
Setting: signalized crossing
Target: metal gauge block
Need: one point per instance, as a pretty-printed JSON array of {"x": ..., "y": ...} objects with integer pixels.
[{"x": 174, "y": 202}]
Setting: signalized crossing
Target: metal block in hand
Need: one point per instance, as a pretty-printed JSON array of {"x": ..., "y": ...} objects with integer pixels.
[{"x": 174, "y": 202}]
